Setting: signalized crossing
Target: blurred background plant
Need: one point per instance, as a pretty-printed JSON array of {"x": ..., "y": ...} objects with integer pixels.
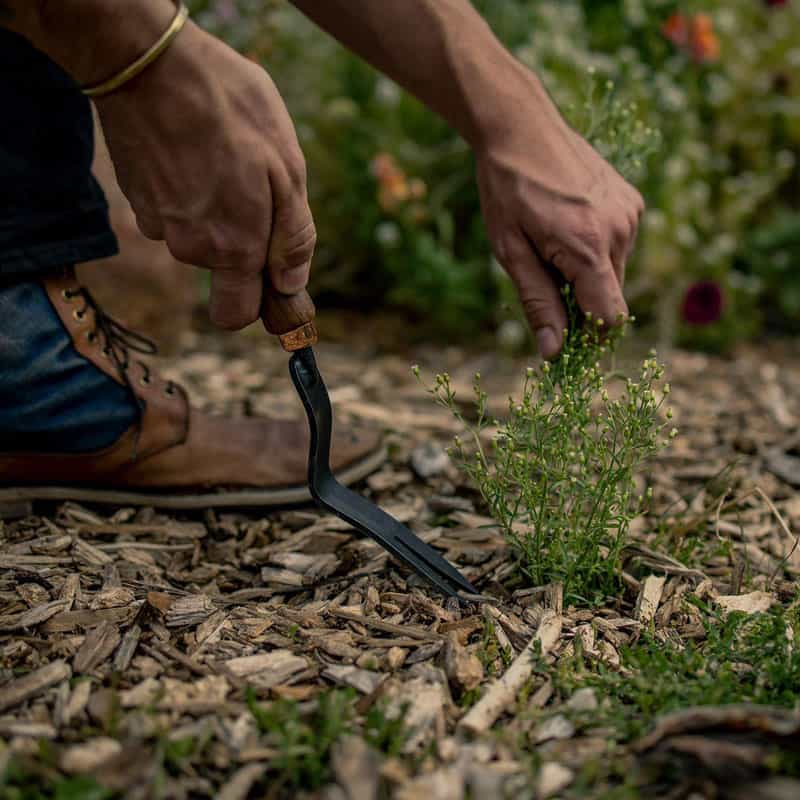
[{"x": 714, "y": 88}]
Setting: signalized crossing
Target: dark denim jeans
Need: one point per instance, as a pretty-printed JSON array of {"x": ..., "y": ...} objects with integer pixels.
[
  {"x": 52, "y": 211},
  {"x": 52, "y": 399},
  {"x": 52, "y": 214}
]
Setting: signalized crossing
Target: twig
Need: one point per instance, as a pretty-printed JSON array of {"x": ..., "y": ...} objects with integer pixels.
[{"x": 502, "y": 693}]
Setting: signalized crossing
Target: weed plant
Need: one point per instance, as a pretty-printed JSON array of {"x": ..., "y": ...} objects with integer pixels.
[{"x": 558, "y": 475}]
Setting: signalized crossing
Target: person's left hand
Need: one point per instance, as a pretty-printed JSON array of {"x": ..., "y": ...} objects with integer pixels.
[{"x": 551, "y": 202}]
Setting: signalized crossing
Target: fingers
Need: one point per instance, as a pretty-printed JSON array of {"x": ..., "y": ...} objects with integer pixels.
[
  {"x": 294, "y": 236},
  {"x": 235, "y": 252},
  {"x": 538, "y": 293},
  {"x": 621, "y": 245},
  {"x": 597, "y": 290},
  {"x": 588, "y": 250},
  {"x": 235, "y": 298}
]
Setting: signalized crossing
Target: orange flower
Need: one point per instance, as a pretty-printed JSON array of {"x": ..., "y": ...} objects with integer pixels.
[
  {"x": 384, "y": 166},
  {"x": 676, "y": 29},
  {"x": 703, "y": 41},
  {"x": 394, "y": 188},
  {"x": 695, "y": 35},
  {"x": 393, "y": 192}
]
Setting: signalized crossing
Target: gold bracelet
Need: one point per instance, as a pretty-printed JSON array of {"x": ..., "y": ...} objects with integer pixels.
[{"x": 144, "y": 60}]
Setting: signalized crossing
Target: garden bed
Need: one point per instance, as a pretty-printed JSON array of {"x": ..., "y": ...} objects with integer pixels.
[{"x": 246, "y": 655}]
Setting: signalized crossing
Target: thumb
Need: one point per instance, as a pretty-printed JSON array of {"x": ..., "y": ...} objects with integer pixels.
[
  {"x": 293, "y": 238},
  {"x": 540, "y": 297}
]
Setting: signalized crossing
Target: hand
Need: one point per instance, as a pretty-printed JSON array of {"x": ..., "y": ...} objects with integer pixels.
[
  {"x": 207, "y": 155},
  {"x": 549, "y": 199}
]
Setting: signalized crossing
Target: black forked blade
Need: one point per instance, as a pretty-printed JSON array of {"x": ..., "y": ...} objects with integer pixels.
[{"x": 360, "y": 513}]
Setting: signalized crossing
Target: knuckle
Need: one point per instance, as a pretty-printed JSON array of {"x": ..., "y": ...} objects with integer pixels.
[
  {"x": 216, "y": 245},
  {"x": 298, "y": 247},
  {"x": 187, "y": 249},
  {"x": 536, "y": 308},
  {"x": 295, "y": 163},
  {"x": 508, "y": 249},
  {"x": 580, "y": 243},
  {"x": 590, "y": 237}
]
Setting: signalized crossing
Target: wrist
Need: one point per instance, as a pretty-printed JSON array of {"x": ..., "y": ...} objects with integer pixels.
[
  {"x": 94, "y": 39},
  {"x": 517, "y": 102}
]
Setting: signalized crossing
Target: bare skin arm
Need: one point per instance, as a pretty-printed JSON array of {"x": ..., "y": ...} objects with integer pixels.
[
  {"x": 546, "y": 194},
  {"x": 202, "y": 144},
  {"x": 207, "y": 155}
]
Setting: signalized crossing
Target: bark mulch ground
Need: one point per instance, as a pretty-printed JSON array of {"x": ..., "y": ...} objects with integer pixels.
[{"x": 235, "y": 655}]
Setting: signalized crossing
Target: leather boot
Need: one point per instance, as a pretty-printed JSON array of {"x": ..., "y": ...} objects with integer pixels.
[{"x": 174, "y": 456}]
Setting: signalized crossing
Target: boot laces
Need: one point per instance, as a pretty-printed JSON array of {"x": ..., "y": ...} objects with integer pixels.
[{"x": 118, "y": 341}]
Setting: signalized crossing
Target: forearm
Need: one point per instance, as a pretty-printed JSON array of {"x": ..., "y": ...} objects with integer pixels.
[
  {"x": 90, "y": 39},
  {"x": 440, "y": 50}
]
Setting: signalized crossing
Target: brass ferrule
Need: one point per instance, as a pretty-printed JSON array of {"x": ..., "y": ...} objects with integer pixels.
[{"x": 304, "y": 336}]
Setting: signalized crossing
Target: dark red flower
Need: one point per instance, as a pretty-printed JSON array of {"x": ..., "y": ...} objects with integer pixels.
[
  {"x": 776, "y": 2},
  {"x": 703, "y": 303}
]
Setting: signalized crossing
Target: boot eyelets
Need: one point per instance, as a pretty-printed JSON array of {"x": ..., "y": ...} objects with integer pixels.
[
  {"x": 145, "y": 380},
  {"x": 170, "y": 390},
  {"x": 67, "y": 295},
  {"x": 107, "y": 352},
  {"x": 91, "y": 337},
  {"x": 79, "y": 315}
]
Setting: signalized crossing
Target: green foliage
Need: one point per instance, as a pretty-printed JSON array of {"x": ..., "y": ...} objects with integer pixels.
[
  {"x": 771, "y": 255},
  {"x": 742, "y": 659},
  {"x": 303, "y": 742},
  {"x": 386, "y": 732},
  {"x": 304, "y": 737},
  {"x": 490, "y": 653},
  {"x": 24, "y": 781},
  {"x": 559, "y": 474}
]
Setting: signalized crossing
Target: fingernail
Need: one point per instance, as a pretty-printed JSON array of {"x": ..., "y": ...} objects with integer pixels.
[{"x": 547, "y": 341}]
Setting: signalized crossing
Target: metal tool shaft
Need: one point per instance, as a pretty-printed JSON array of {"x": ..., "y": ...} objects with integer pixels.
[{"x": 351, "y": 507}]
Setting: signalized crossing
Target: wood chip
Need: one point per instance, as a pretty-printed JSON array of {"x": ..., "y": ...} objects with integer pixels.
[
  {"x": 552, "y": 779},
  {"x": 649, "y": 598},
  {"x": 31, "y": 617},
  {"x": 111, "y": 598},
  {"x": 364, "y": 681},
  {"x": 98, "y": 645},
  {"x": 410, "y": 631},
  {"x": 127, "y": 648},
  {"x": 463, "y": 669},
  {"x": 356, "y": 767},
  {"x": 190, "y": 610},
  {"x": 84, "y": 551},
  {"x": 72, "y": 620},
  {"x": 266, "y": 670},
  {"x": 240, "y": 784},
  {"x": 502, "y": 693},
  {"x": 21, "y": 689},
  {"x": 23, "y": 728},
  {"x": 752, "y": 603},
  {"x": 424, "y": 702},
  {"x": 82, "y": 759}
]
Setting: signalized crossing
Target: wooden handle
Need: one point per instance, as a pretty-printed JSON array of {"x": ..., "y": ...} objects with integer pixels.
[{"x": 290, "y": 317}]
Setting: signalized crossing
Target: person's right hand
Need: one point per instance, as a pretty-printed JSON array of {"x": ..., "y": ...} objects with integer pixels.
[{"x": 207, "y": 155}]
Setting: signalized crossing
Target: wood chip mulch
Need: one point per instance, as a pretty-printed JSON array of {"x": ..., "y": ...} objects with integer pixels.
[{"x": 121, "y": 628}]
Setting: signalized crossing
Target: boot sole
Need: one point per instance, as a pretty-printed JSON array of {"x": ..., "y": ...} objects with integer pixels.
[{"x": 17, "y": 501}]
